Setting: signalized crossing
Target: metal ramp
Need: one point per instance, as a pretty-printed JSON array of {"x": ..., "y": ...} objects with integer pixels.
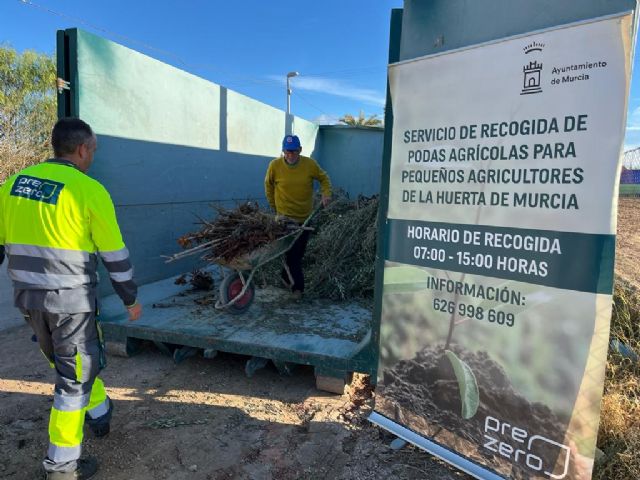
[{"x": 335, "y": 338}]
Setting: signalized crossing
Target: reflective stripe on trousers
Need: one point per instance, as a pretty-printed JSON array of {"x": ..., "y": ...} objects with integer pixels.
[{"x": 99, "y": 401}]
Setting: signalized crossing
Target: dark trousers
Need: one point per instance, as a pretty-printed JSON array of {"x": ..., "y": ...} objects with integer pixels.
[{"x": 293, "y": 259}]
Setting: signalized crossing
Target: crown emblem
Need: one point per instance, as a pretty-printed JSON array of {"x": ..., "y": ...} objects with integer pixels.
[{"x": 533, "y": 47}]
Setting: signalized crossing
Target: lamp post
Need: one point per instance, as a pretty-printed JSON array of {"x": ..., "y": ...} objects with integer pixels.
[{"x": 289, "y": 76}]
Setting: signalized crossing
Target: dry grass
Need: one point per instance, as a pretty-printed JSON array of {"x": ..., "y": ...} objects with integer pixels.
[
  {"x": 15, "y": 157},
  {"x": 619, "y": 434}
]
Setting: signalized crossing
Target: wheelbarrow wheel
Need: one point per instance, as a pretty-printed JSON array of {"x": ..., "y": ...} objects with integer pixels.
[{"x": 230, "y": 287}]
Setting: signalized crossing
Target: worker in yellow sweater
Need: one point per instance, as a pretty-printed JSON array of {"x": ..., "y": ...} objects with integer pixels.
[{"x": 289, "y": 189}]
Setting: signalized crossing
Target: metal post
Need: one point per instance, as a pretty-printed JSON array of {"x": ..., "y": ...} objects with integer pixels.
[
  {"x": 288, "y": 97},
  {"x": 289, "y": 76}
]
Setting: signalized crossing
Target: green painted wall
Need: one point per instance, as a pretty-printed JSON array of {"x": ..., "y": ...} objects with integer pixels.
[
  {"x": 125, "y": 94},
  {"x": 432, "y": 26},
  {"x": 353, "y": 157},
  {"x": 170, "y": 144}
]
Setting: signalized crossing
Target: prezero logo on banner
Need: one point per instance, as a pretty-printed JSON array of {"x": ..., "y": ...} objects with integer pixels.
[{"x": 500, "y": 248}]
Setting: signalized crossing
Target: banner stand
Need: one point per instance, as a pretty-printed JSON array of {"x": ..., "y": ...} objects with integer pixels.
[
  {"x": 499, "y": 248},
  {"x": 458, "y": 461}
]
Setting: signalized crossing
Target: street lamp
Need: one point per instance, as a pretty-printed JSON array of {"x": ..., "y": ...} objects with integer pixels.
[{"x": 290, "y": 75}]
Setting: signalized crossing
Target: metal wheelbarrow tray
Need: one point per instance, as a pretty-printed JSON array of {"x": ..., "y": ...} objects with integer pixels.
[{"x": 237, "y": 291}]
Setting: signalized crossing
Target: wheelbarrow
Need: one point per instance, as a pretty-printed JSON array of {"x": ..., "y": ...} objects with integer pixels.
[{"x": 237, "y": 290}]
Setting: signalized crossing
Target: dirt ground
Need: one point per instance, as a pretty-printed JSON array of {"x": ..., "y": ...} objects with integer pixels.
[
  {"x": 628, "y": 240},
  {"x": 204, "y": 419}
]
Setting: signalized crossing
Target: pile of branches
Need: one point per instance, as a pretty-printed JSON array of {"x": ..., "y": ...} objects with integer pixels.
[
  {"x": 339, "y": 263},
  {"x": 340, "y": 260},
  {"x": 232, "y": 233},
  {"x": 198, "y": 279}
]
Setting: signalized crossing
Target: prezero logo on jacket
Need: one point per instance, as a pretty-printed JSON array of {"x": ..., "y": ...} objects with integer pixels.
[{"x": 38, "y": 189}]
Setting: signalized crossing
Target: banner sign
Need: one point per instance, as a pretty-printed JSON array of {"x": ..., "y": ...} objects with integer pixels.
[{"x": 500, "y": 234}]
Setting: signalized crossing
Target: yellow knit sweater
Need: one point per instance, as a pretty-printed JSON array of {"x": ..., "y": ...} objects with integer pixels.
[{"x": 289, "y": 188}]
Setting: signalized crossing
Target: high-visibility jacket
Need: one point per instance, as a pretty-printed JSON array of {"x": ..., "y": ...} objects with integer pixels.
[{"x": 54, "y": 221}]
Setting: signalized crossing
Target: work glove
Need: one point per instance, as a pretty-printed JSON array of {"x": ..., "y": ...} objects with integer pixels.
[{"x": 134, "y": 311}]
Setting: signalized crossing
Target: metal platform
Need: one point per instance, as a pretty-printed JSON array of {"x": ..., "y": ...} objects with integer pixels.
[{"x": 335, "y": 338}]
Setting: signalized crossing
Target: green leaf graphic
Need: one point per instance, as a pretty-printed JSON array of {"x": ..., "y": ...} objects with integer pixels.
[
  {"x": 404, "y": 279},
  {"x": 469, "y": 392}
]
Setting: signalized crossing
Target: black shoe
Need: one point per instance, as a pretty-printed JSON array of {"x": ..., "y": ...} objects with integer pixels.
[
  {"x": 100, "y": 431},
  {"x": 101, "y": 426},
  {"x": 86, "y": 468}
]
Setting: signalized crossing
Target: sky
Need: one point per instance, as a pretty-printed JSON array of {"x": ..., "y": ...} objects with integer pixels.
[{"x": 339, "y": 47}]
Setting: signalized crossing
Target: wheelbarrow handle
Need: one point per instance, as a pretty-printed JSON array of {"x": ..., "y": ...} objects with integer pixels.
[{"x": 311, "y": 215}]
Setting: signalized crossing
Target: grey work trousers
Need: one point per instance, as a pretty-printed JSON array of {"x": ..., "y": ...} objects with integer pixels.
[{"x": 72, "y": 344}]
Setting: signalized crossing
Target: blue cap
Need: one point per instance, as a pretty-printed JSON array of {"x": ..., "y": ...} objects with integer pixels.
[{"x": 291, "y": 142}]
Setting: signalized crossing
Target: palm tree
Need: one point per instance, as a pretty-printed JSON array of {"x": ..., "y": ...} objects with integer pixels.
[{"x": 361, "y": 120}]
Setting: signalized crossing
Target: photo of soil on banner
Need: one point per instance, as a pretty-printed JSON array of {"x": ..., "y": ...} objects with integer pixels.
[{"x": 528, "y": 378}]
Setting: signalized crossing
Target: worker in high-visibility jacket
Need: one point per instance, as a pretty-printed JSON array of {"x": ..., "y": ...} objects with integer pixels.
[{"x": 54, "y": 222}]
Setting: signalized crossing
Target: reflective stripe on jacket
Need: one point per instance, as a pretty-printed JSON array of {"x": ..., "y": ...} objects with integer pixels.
[{"x": 54, "y": 222}]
